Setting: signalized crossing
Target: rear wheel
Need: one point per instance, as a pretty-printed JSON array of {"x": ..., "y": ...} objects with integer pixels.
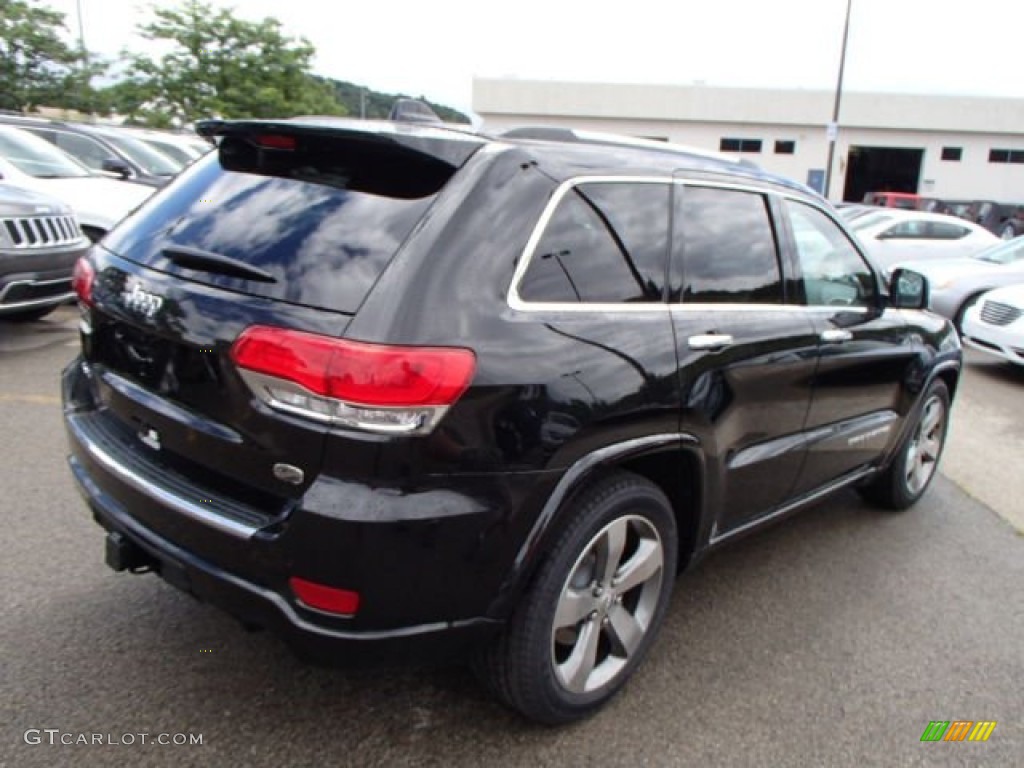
[
  {"x": 594, "y": 607},
  {"x": 914, "y": 466},
  {"x": 1008, "y": 232}
]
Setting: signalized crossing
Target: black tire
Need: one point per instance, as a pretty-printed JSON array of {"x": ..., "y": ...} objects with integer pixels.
[
  {"x": 913, "y": 468},
  {"x": 527, "y": 666},
  {"x": 1008, "y": 232},
  {"x": 28, "y": 315}
]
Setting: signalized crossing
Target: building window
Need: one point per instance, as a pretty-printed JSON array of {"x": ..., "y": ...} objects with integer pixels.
[
  {"x": 1006, "y": 155},
  {"x": 740, "y": 145},
  {"x": 785, "y": 147},
  {"x": 952, "y": 153}
]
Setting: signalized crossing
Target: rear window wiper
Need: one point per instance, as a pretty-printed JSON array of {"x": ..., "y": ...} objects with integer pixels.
[{"x": 207, "y": 261}]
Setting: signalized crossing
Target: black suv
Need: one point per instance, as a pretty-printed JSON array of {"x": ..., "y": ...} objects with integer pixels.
[
  {"x": 40, "y": 241},
  {"x": 396, "y": 389}
]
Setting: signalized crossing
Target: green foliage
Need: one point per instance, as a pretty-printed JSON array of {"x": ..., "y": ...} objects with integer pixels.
[
  {"x": 378, "y": 105},
  {"x": 36, "y": 65},
  {"x": 221, "y": 66}
]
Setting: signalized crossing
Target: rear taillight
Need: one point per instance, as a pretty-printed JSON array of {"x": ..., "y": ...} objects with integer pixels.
[
  {"x": 372, "y": 387},
  {"x": 82, "y": 279}
]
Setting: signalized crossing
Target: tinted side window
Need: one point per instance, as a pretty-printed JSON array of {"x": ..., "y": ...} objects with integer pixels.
[
  {"x": 605, "y": 242},
  {"x": 834, "y": 274},
  {"x": 729, "y": 251},
  {"x": 941, "y": 230},
  {"x": 85, "y": 150}
]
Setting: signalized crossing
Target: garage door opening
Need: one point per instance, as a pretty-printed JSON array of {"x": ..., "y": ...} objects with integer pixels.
[{"x": 881, "y": 169}]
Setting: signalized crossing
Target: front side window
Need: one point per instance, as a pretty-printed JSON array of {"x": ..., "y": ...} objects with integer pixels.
[
  {"x": 834, "y": 274},
  {"x": 606, "y": 242},
  {"x": 86, "y": 151},
  {"x": 728, "y": 248}
]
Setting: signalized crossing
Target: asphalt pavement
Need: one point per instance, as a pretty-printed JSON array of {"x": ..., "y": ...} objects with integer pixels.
[{"x": 832, "y": 639}]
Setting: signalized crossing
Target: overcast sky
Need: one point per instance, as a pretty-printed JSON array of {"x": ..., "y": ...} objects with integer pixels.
[{"x": 436, "y": 47}]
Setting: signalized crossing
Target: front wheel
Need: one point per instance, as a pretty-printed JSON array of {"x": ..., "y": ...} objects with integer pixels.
[
  {"x": 1008, "y": 232},
  {"x": 914, "y": 466},
  {"x": 593, "y": 609}
]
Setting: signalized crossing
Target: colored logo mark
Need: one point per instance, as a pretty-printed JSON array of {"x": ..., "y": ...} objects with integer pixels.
[{"x": 958, "y": 730}]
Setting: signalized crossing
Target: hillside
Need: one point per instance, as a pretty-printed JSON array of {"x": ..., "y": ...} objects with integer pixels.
[{"x": 378, "y": 104}]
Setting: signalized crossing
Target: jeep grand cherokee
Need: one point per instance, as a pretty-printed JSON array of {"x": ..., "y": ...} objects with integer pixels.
[{"x": 394, "y": 390}]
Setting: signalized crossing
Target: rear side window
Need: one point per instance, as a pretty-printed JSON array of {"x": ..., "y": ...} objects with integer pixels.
[
  {"x": 729, "y": 252},
  {"x": 605, "y": 242},
  {"x": 324, "y": 224}
]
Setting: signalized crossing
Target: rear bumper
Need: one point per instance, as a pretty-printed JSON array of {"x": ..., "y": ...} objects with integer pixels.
[
  {"x": 259, "y": 606},
  {"x": 430, "y": 562}
]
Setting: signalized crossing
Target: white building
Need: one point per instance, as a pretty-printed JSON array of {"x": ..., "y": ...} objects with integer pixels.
[{"x": 954, "y": 147}]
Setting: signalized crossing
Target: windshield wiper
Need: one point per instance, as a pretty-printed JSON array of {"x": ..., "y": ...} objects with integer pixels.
[{"x": 207, "y": 261}]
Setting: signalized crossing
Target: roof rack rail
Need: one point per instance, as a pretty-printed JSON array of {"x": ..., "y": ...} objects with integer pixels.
[{"x": 573, "y": 135}]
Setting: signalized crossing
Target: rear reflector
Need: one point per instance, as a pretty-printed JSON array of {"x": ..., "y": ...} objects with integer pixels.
[
  {"x": 82, "y": 279},
  {"x": 343, "y": 602},
  {"x": 376, "y": 387}
]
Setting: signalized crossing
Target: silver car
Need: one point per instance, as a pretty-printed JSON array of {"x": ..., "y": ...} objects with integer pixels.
[{"x": 956, "y": 284}]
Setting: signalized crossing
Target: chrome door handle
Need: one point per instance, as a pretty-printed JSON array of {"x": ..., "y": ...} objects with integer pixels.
[
  {"x": 835, "y": 336},
  {"x": 710, "y": 341}
]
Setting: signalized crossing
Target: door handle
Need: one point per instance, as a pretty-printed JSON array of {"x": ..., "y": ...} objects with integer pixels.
[
  {"x": 835, "y": 336},
  {"x": 710, "y": 341}
]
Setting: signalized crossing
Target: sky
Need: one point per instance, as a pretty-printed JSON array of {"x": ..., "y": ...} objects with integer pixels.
[{"x": 434, "y": 48}]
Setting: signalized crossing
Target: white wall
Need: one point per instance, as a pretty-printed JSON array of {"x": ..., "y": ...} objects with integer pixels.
[{"x": 701, "y": 117}]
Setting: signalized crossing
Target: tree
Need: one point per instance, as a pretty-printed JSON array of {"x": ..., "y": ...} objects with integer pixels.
[
  {"x": 36, "y": 66},
  {"x": 222, "y": 66}
]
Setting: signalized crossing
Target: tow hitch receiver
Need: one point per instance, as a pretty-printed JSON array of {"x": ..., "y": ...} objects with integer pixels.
[{"x": 123, "y": 555}]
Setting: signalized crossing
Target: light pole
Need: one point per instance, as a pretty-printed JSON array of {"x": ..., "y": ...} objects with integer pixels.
[
  {"x": 81, "y": 27},
  {"x": 833, "y": 128}
]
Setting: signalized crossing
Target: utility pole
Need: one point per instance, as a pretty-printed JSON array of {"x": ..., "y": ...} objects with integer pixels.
[
  {"x": 833, "y": 128},
  {"x": 81, "y": 27}
]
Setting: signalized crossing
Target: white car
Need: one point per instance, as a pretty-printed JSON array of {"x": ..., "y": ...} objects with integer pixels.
[
  {"x": 32, "y": 163},
  {"x": 891, "y": 235},
  {"x": 995, "y": 324}
]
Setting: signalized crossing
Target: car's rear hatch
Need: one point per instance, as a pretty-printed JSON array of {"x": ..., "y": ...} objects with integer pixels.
[{"x": 286, "y": 225}]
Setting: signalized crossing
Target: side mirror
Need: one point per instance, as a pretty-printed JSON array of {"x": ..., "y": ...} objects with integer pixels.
[
  {"x": 116, "y": 166},
  {"x": 908, "y": 290}
]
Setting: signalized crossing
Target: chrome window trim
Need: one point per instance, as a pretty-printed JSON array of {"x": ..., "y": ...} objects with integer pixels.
[{"x": 517, "y": 303}]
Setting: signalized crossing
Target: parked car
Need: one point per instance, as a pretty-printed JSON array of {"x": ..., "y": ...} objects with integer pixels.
[
  {"x": 995, "y": 323},
  {"x": 29, "y": 162},
  {"x": 903, "y": 200},
  {"x": 398, "y": 390},
  {"x": 893, "y": 236},
  {"x": 1002, "y": 219},
  {"x": 40, "y": 241},
  {"x": 955, "y": 284},
  {"x": 180, "y": 148},
  {"x": 103, "y": 149}
]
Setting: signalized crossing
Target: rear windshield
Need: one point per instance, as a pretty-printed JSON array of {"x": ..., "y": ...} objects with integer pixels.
[{"x": 323, "y": 225}]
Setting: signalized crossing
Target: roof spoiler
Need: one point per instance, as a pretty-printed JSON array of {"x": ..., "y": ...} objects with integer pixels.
[{"x": 452, "y": 148}]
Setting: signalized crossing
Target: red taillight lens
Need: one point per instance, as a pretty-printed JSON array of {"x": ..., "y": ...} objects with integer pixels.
[
  {"x": 331, "y": 599},
  {"x": 82, "y": 279},
  {"x": 377, "y": 387}
]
